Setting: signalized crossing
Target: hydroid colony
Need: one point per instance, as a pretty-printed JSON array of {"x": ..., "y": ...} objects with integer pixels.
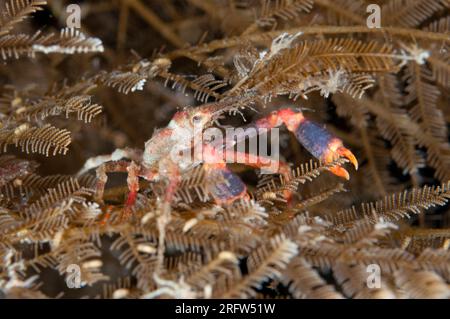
[{"x": 69, "y": 95}]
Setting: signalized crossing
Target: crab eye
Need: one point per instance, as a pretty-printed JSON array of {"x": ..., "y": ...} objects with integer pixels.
[{"x": 196, "y": 119}]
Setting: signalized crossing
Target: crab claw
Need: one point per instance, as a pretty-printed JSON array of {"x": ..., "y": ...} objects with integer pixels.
[
  {"x": 324, "y": 146},
  {"x": 339, "y": 171},
  {"x": 227, "y": 186},
  {"x": 345, "y": 152},
  {"x": 336, "y": 150}
]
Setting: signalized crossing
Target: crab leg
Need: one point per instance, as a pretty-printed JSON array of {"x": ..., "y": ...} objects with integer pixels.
[
  {"x": 274, "y": 166},
  {"x": 102, "y": 177},
  {"x": 117, "y": 155},
  {"x": 132, "y": 181},
  {"x": 133, "y": 187},
  {"x": 316, "y": 139},
  {"x": 165, "y": 216},
  {"x": 134, "y": 172},
  {"x": 227, "y": 186}
]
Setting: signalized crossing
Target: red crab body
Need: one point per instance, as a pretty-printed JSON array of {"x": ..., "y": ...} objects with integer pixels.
[{"x": 180, "y": 146}]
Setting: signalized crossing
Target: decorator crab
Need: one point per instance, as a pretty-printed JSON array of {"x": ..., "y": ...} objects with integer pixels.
[{"x": 164, "y": 156}]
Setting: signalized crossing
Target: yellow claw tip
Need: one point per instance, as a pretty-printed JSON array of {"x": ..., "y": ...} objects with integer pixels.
[
  {"x": 355, "y": 163},
  {"x": 349, "y": 155},
  {"x": 346, "y": 175},
  {"x": 339, "y": 171}
]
